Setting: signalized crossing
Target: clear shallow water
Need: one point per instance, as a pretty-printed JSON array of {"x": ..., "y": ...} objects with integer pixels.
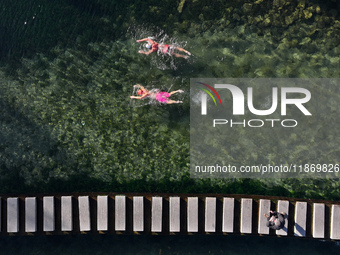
[{"x": 80, "y": 97}]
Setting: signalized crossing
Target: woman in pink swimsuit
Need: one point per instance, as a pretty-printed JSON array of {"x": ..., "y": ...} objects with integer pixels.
[
  {"x": 163, "y": 48},
  {"x": 162, "y": 97}
]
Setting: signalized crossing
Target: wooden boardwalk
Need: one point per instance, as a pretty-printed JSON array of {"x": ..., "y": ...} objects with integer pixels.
[{"x": 165, "y": 214}]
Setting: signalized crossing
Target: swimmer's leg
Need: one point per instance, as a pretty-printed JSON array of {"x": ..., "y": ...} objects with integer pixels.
[
  {"x": 179, "y": 55},
  {"x": 181, "y": 49},
  {"x": 176, "y": 91},
  {"x": 173, "y": 102}
]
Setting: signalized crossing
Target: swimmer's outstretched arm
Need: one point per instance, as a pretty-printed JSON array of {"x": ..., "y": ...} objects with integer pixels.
[
  {"x": 145, "y": 39},
  {"x": 140, "y": 97}
]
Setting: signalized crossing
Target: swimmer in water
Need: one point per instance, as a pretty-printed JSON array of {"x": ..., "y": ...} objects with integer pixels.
[
  {"x": 156, "y": 94},
  {"x": 163, "y": 48}
]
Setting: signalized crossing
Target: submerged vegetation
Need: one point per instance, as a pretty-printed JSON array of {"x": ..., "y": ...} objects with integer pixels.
[{"x": 67, "y": 123}]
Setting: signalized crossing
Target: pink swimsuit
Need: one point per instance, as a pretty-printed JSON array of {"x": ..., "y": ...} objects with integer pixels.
[
  {"x": 162, "y": 97},
  {"x": 165, "y": 48}
]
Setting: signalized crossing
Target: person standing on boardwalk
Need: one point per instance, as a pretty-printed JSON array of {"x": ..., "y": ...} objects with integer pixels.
[{"x": 275, "y": 220}]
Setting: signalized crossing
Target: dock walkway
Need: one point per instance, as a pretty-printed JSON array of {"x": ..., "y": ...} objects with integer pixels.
[{"x": 165, "y": 214}]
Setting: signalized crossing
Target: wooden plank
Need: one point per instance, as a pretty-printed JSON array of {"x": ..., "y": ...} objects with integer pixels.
[
  {"x": 138, "y": 213},
  {"x": 102, "y": 213},
  {"x": 66, "y": 213},
  {"x": 120, "y": 213},
  {"x": 228, "y": 214},
  {"x": 319, "y": 220},
  {"x": 174, "y": 214},
  {"x": 283, "y": 206},
  {"x": 192, "y": 214},
  {"x": 48, "y": 214},
  {"x": 210, "y": 214},
  {"x": 264, "y": 209},
  {"x": 30, "y": 214},
  {"x": 156, "y": 214},
  {"x": 246, "y": 215},
  {"x": 84, "y": 213},
  {"x": 300, "y": 219},
  {"x": 13, "y": 215},
  {"x": 335, "y": 222}
]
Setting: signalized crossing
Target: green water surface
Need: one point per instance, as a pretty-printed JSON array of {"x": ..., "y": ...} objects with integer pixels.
[{"x": 68, "y": 124}]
